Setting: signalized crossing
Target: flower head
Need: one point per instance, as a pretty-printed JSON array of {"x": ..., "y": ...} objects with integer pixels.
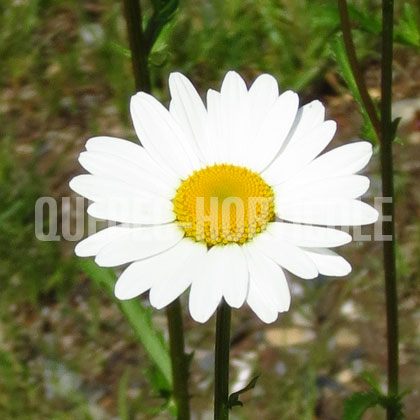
[{"x": 223, "y": 198}]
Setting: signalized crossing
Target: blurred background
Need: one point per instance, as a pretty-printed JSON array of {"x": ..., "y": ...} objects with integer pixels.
[{"x": 66, "y": 351}]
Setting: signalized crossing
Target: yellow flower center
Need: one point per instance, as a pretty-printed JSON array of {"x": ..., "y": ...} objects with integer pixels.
[{"x": 223, "y": 203}]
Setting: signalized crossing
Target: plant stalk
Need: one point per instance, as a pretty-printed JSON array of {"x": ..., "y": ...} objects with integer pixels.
[
  {"x": 354, "y": 64},
  {"x": 139, "y": 55},
  {"x": 179, "y": 360},
  {"x": 222, "y": 348},
  {"x": 385, "y": 132},
  {"x": 388, "y": 208}
]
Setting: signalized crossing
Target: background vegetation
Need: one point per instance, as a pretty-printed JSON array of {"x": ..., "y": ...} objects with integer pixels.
[{"x": 66, "y": 351}]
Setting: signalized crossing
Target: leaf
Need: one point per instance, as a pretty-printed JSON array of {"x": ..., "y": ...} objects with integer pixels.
[
  {"x": 158, "y": 383},
  {"x": 234, "y": 397},
  {"x": 163, "y": 13},
  {"x": 339, "y": 50},
  {"x": 138, "y": 317},
  {"x": 358, "y": 403},
  {"x": 123, "y": 411},
  {"x": 394, "y": 128},
  {"x": 408, "y": 31},
  {"x": 372, "y": 382},
  {"x": 125, "y": 52},
  {"x": 366, "y": 22}
]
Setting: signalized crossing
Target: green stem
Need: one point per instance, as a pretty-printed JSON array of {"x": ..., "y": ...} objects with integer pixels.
[
  {"x": 354, "y": 64},
  {"x": 385, "y": 132},
  {"x": 221, "y": 380},
  {"x": 139, "y": 55},
  {"x": 179, "y": 360},
  {"x": 388, "y": 208}
]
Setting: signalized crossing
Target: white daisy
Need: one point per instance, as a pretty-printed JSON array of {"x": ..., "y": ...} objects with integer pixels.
[{"x": 169, "y": 196}]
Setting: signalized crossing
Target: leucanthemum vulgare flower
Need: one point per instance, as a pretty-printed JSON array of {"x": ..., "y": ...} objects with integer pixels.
[{"x": 223, "y": 198}]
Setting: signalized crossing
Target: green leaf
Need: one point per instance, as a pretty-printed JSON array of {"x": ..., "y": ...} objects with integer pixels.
[
  {"x": 123, "y": 411},
  {"x": 358, "y": 403},
  {"x": 372, "y": 382},
  {"x": 394, "y": 128},
  {"x": 125, "y": 52},
  {"x": 408, "y": 31},
  {"x": 163, "y": 13},
  {"x": 342, "y": 60},
  {"x": 234, "y": 397},
  {"x": 366, "y": 22},
  {"x": 138, "y": 317}
]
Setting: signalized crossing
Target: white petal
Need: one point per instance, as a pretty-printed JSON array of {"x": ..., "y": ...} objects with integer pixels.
[
  {"x": 114, "y": 167},
  {"x": 161, "y": 135},
  {"x": 268, "y": 290},
  {"x": 308, "y": 117},
  {"x": 130, "y": 151},
  {"x": 183, "y": 267},
  {"x": 231, "y": 267},
  {"x": 138, "y": 277},
  {"x": 219, "y": 151},
  {"x": 300, "y": 153},
  {"x": 163, "y": 274},
  {"x": 139, "y": 243},
  {"x": 274, "y": 130},
  {"x": 341, "y": 161},
  {"x": 96, "y": 188},
  {"x": 144, "y": 210},
  {"x": 207, "y": 289},
  {"x": 350, "y": 186},
  {"x": 94, "y": 243},
  {"x": 328, "y": 262},
  {"x": 234, "y": 109},
  {"x": 261, "y": 96},
  {"x": 286, "y": 254},
  {"x": 264, "y": 91},
  {"x": 309, "y": 236},
  {"x": 339, "y": 212},
  {"x": 99, "y": 188},
  {"x": 188, "y": 109},
  {"x": 257, "y": 301}
]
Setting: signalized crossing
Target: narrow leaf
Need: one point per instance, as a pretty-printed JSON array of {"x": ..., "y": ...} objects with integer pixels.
[
  {"x": 366, "y": 22},
  {"x": 234, "y": 397},
  {"x": 163, "y": 13},
  {"x": 394, "y": 127},
  {"x": 408, "y": 31},
  {"x": 123, "y": 411},
  {"x": 358, "y": 403},
  {"x": 342, "y": 60},
  {"x": 120, "y": 49}
]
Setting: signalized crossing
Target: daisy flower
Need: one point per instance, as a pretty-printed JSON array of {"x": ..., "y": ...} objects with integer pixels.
[{"x": 223, "y": 198}]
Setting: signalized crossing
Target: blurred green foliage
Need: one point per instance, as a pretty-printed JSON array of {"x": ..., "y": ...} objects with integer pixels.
[
  {"x": 65, "y": 74},
  {"x": 28, "y": 267}
]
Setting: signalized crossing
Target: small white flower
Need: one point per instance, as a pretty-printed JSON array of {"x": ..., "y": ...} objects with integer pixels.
[{"x": 253, "y": 152}]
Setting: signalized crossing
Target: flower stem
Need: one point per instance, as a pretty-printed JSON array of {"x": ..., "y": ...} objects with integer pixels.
[
  {"x": 354, "y": 64},
  {"x": 179, "y": 360},
  {"x": 139, "y": 55},
  {"x": 385, "y": 132},
  {"x": 221, "y": 380},
  {"x": 388, "y": 208}
]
